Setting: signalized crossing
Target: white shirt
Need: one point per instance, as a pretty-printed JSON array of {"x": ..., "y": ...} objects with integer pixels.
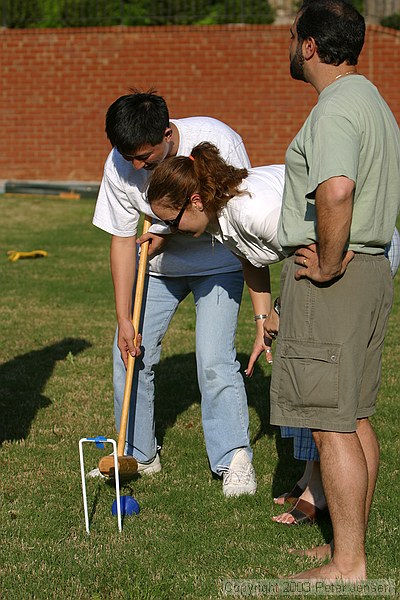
[
  {"x": 122, "y": 198},
  {"x": 248, "y": 223}
]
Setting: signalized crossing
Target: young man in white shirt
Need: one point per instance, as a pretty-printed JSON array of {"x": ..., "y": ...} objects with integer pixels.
[{"x": 142, "y": 135}]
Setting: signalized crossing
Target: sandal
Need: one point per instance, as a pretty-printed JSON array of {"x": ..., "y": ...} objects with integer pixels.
[
  {"x": 292, "y": 496},
  {"x": 304, "y": 513}
]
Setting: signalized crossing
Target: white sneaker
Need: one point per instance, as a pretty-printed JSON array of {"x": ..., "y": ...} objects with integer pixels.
[
  {"x": 240, "y": 477},
  {"x": 95, "y": 473},
  {"x": 153, "y": 466}
]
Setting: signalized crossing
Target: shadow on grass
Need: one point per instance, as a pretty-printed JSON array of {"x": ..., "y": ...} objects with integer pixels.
[
  {"x": 22, "y": 380},
  {"x": 177, "y": 390}
]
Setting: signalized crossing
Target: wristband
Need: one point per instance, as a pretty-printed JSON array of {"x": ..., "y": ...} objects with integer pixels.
[{"x": 259, "y": 317}]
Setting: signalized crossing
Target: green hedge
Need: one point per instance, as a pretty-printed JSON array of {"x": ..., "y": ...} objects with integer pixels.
[
  {"x": 392, "y": 21},
  {"x": 92, "y": 13}
]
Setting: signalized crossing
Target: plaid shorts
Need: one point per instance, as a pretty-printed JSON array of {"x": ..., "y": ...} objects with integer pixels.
[
  {"x": 304, "y": 447},
  {"x": 392, "y": 252}
]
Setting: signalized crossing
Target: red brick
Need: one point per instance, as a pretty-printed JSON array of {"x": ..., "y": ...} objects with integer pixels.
[{"x": 57, "y": 84}]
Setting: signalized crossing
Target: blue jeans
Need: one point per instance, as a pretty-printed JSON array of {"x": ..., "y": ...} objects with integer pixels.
[{"x": 223, "y": 396}]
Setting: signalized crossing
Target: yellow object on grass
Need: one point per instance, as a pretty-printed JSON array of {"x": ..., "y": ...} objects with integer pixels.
[{"x": 14, "y": 255}]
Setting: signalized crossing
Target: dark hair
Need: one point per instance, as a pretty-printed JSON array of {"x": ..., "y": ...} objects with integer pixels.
[
  {"x": 136, "y": 120},
  {"x": 337, "y": 28},
  {"x": 205, "y": 172}
]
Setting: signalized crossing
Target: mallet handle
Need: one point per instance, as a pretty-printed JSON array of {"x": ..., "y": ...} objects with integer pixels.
[{"x": 137, "y": 309}]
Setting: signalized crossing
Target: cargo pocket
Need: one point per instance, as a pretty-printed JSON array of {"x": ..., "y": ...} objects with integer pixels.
[{"x": 310, "y": 373}]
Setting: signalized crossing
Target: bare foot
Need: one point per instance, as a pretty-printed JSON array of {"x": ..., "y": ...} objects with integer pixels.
[
  {"x": 331, "y": 573},
  {"x": 318, "y": 552}
]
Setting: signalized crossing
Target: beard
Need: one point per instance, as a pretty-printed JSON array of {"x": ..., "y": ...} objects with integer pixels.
[{"x": 297, "y": 65}]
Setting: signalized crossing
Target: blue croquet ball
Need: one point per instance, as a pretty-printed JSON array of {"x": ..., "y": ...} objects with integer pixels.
[{"x": 129, "y": 506}]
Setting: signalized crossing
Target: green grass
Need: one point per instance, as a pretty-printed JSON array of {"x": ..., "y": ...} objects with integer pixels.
[{"x": 57, "y": 326}]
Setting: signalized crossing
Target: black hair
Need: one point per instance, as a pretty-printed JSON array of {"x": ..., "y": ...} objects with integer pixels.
[
  {"x": 136, "y": 120},
  {"x": 337, "y": 28}
]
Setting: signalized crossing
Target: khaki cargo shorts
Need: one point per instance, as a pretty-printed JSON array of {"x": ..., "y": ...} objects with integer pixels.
[{"x": 327, "y": 363}]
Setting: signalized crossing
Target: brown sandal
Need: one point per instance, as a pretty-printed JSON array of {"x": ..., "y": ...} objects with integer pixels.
[
  {"x": 304, "y": 513},
  {"x": 292, "y": 496}
]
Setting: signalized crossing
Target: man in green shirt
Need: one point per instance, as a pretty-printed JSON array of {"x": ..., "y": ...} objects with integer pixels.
[{"x": 341, "y": 194}]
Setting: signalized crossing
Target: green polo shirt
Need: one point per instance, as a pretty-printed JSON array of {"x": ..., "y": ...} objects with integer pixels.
[{"x": 350, "y": 132}]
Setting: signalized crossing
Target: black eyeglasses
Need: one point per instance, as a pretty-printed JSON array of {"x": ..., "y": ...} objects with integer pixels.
[{"x": 173, "y": 224}]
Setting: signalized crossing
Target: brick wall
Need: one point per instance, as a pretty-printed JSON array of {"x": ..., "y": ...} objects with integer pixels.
[{"x": 57, "y": 84}]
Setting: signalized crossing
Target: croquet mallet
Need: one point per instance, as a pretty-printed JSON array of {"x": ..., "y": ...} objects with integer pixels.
[{"x": 127, "y": 465}]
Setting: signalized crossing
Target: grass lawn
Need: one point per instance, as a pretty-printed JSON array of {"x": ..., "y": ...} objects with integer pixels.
[{"x": 57, "y": 326}]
